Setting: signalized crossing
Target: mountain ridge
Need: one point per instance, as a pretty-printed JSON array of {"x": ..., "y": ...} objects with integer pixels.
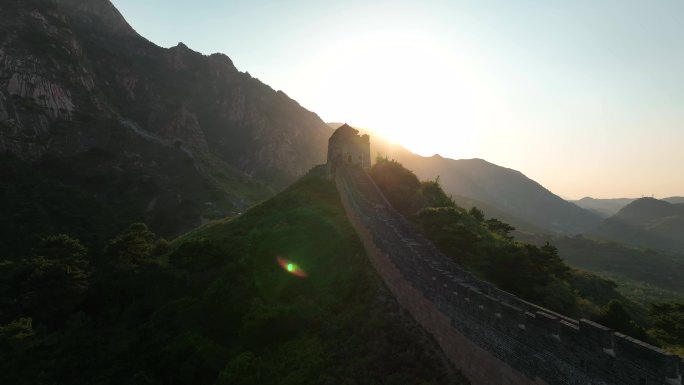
[
  {"x": 508, "y": 192},
  {"x": 646, "y": 222},
  {"x": 177, "y": 92},
  {"x": 169, "y": 137},
  {"x": 603, "y": 207}
]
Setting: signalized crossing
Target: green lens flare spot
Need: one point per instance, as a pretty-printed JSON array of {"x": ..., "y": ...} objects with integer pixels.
[{"x": 291, "y": 267}]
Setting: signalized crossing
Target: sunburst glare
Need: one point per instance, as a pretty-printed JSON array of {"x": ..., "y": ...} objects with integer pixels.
[{"x": 403, "y": 85}]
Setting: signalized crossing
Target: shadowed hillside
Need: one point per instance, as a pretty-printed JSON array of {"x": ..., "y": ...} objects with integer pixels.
[
  {"x": 169, "y": 137},
  {"x": 491, "y": 211},
  {"x": 508, "y": 190},
  {"x": 215, "y": 307}
]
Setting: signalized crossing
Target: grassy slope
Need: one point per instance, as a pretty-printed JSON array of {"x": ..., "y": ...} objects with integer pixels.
[{"x": 338, "y": 325}]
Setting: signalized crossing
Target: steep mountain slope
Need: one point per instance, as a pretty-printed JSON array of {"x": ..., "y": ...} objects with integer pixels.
[
  {"x": 67, "y": 63},
  {"x": 494, "y": 212},
  {"x": 509, "y": 190},
  {"x": 507, "y": 193},
  {"x": 603, "y": 207},
  {"x": 646, "y": 222},
  {"x": 166, "y": 136},
  {"x": 218, "y": 309}
]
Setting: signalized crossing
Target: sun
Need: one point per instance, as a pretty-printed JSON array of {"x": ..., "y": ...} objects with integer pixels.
[{"x": 405, "y": 86}]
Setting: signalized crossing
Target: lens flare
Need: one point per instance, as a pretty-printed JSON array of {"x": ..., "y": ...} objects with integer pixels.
[{"x": 291, "y": 267}]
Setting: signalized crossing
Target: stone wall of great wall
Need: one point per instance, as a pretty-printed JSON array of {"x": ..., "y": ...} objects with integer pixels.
[{"x": 492, "y": 336}]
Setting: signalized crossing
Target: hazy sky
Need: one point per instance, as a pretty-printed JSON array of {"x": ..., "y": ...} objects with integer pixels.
[{"x": 585, "y": 97}]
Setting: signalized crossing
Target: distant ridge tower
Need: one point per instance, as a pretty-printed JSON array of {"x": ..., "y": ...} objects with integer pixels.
[{"x": 347, "y": 146}]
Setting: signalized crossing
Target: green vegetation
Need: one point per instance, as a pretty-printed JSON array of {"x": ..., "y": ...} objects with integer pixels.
[
  {"x": 667, "y": 324},
  {"x": 95, "y": 194},
  {"x": 35, "y": 203},
  {"x": 213, "y": 306},
  {"x": 535, "y": 273},
  {"x": 481, "y": 246},
  {"x": 644, "y": 275},
  {"x": 642, "y": 292}
]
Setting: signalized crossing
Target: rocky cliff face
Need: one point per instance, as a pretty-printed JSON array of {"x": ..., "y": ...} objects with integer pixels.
[
  {"x": 65, "y": 63},
  {"x": 165, "y": 136}
]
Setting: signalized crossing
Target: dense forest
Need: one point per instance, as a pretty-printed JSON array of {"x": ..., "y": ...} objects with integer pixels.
[
  {"x": 644, "y": 275},
  {"x": 213, "y": 306},
  {"x": 535, "y": 273}
]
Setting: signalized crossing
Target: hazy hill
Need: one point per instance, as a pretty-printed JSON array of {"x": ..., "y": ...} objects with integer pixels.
[
  {"x": 491, "y": 211},
  {"x": 506, "y": 193},
  {"x": 646, "y": 222},
  {"x": 508, "y": 190},
  {"x": 603, "y": 207},
  {"x": 609, "y": 207},
  {"x": 165, "y": 136}
]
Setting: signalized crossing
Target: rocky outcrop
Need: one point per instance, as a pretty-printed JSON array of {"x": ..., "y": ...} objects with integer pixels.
[
  {"x": 65, "y": 64},
  {"x": 49, "y": 96},
  {"x": 42, "y": 68},
  {"x": 102, "y": 113}
]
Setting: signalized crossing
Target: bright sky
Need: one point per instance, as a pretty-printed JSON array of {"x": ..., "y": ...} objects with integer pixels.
[{"x": 585, "y": 96}]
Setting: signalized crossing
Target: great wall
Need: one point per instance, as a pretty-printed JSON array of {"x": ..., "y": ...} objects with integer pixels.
[{"x": 492, "y": 336}]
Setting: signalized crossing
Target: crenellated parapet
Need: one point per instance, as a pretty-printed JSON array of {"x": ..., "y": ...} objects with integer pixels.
[{"x": 535, "y": 344}]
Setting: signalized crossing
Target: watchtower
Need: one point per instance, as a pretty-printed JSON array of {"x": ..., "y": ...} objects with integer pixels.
[{"x": 347, "y": 146}]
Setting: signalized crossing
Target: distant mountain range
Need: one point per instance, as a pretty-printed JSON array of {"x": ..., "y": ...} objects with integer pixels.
[
  {"x": 512, "y": 197},
  {"x": 603, "y": 207},
  {"x": 646, "y": 222},
  {"x": 500, "y": 192},
  {"x": 609, "y": 207}
]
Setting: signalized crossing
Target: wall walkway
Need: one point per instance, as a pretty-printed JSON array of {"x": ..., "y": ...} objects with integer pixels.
[{"x": 493, "y": 336}]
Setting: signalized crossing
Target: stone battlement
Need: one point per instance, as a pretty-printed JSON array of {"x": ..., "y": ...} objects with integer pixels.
[{"x": 540, "y": 346}]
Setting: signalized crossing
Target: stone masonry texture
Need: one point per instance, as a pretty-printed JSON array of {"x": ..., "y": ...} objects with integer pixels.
[{"x": 494, "y": 337}]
